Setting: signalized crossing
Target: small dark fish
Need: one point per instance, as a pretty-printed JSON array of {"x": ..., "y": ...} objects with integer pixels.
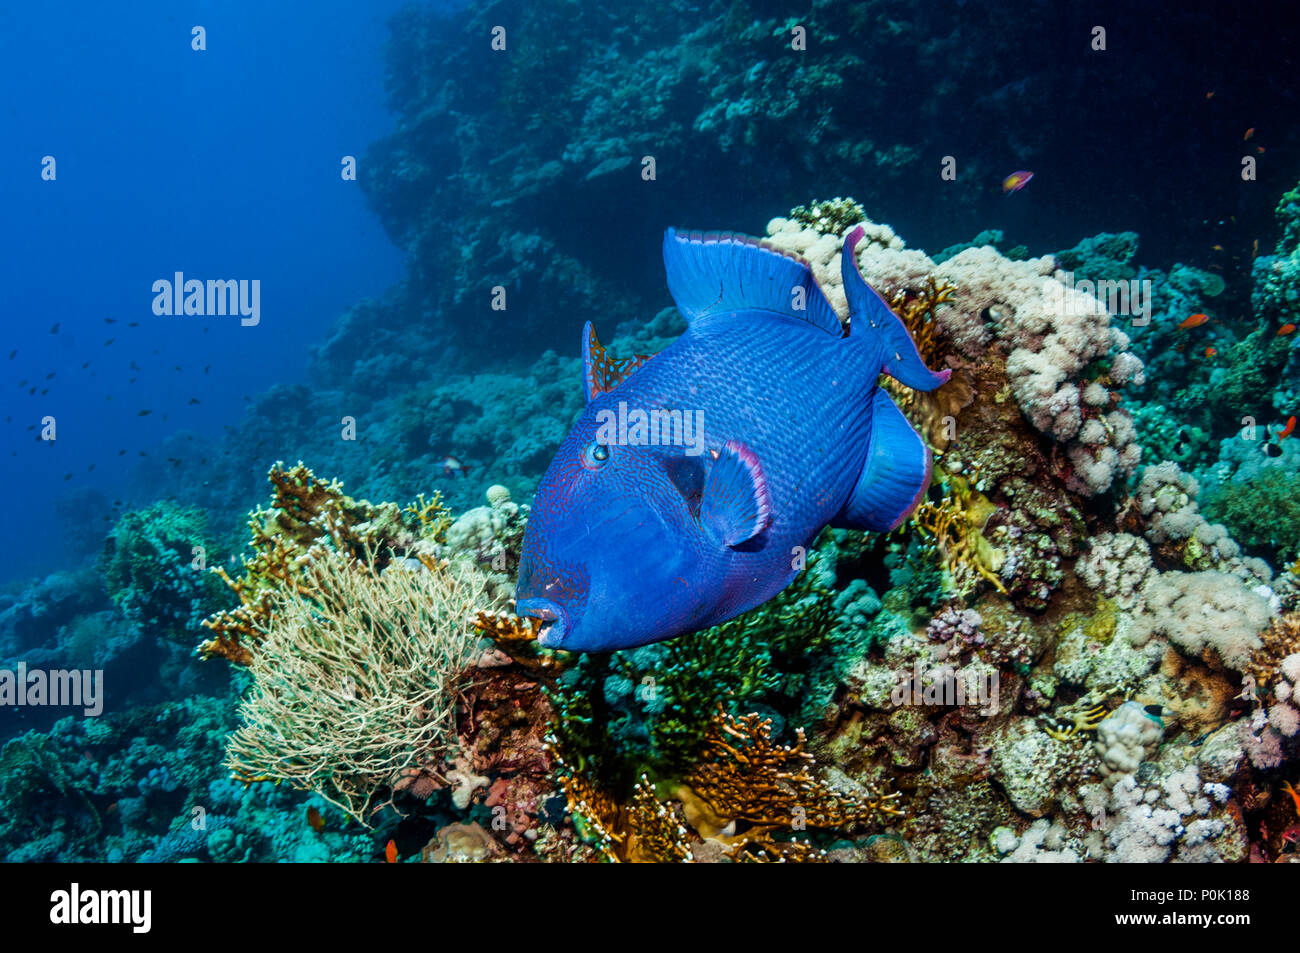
[
  {"x": 1272, "y": 450},
  {"x": 31, "y": 391},
  {"x": 110, "y": 321},
  {"x": 135, "y": 366},
  {"x": 55, "y": 329},
  {"x": 121, "y": 453},
  {"x": 13, "y": 354},
  {"x": 67, "y": 476},
  {"x": 90, "y": 468},
  {"x": 206, "y": 368},
  {"x": 23, "y": 382},
  {"x": 194, "y": 400},
  {"x": 133, "y": 324},
  {"x": 144, "y": 413},
  {"x": 50, "y": 375},
  {"x": 44, "y": 391},
  {"x": 176, "y": 367},
  {"x": 109, "y": 341},
  {"x": 1156, "y": 710},
  {"x": 86, "y": 365}
]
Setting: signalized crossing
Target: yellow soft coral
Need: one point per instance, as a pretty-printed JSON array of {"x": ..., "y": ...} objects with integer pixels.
[{"x": 954, "y": 526}]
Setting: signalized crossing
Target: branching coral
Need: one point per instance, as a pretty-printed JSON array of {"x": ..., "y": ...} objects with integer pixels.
[
  {"x": 746, "y": 799},
  {"x": 829, "y": 217},
  {"x": 354, "y": 681},
  {"x": 308, "y": 516}
]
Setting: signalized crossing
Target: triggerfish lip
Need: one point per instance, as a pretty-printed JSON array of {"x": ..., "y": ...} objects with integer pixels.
[{"x": 555, "y": 621}]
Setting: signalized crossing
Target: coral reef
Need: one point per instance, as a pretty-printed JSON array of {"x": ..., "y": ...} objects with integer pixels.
[{"x": 354, "y": 680}]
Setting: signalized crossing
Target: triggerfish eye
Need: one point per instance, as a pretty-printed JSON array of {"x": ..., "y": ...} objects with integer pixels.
[{"x": 595, "y": 455}]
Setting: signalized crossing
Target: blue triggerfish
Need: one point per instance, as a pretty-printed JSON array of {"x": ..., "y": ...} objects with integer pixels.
[{"x": 696, "y": 479}]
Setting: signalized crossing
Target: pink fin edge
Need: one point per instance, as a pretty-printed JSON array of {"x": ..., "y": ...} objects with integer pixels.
[{"x": 762, "y": 495}]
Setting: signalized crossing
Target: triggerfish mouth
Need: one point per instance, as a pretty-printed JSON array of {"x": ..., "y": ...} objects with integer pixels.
[{"x": 696, "y": 479}]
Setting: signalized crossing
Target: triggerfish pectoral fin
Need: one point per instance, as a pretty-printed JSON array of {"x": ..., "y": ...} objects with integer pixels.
[
  {"x": 870, "y": 313},
  {"x": 711, "y": 274},
  {"x": 736, "y": 505},
  {"x": 894, "y": 478}
]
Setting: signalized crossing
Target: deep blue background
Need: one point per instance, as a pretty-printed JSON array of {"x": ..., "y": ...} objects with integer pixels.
[{"x": 223, "y": 163}]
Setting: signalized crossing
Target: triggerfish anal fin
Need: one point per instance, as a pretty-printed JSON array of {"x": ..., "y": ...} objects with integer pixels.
[
  {"x": 895, "y": 476},
  {"x": 736, "y": 505},
  {"x": 712, "y": 274},
  {"x": 872, "y": 315},
  {"x": 601, "y": 373}
]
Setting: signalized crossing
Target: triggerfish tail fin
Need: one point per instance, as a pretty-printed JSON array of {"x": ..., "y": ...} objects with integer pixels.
[
  {"x": 736, "y": 505},
  {"x": 712, "y": 274},
  {"x": 870, "y": 313},
  {"x": 895, "y": 476},
  {"x": 601, "y": 373}
]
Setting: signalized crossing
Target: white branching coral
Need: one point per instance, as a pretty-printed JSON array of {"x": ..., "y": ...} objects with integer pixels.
[
  {"x": 1052, "y": 332},
  {"x": 1209, "y": 615},
  {"x": 1118, "y": 566},
  {"x": 1174, "y": 817}
]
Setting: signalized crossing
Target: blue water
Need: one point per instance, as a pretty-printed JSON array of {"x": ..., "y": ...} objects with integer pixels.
[{"x": 219, "y": 164}]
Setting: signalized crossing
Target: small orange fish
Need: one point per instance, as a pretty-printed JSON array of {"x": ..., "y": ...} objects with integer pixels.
[
  {"x": 1254, "y": 248},
  {"x": 1218, "y": 248},
  {"x": 1288, "y": 429},
  {"x": 1259, "y": 149},
  {"x": 1249, "y": 132},
  {"x": 1211, "y": 352},
  {"x": 1285, "y": 329},
  {"x": 390, "y": 852},
  {"x": 314, "y": 820},
  {"x": 1195, "y": 321},
  {"x": 1210, "y": 94},
  {"x": 1016, "y": 181}
]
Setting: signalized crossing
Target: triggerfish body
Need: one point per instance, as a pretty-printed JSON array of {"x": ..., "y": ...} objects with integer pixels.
[
  {"x": 1016, "y": 181},
  {"x": 695, "y": 480}
]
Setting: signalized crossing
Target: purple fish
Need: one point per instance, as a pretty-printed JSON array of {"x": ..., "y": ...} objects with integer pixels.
[{"x": 694, "y": 481}]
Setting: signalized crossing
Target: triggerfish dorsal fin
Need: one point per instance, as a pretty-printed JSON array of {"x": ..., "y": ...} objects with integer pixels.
[
  {"x": 870, "y": 314},
  {"x": 736, "y": 505},
  {"x": 894, "y": 477},
  {"x": 601, "y": 373},
  {"x": 720, "y": 273}
]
